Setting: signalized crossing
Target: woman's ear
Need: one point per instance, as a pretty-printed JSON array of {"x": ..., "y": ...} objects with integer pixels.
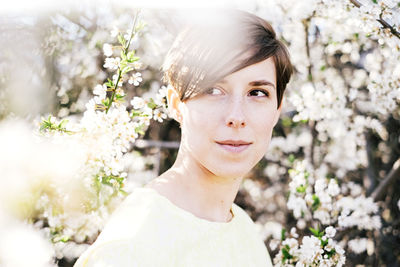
[{"x": 174, "y": 102}]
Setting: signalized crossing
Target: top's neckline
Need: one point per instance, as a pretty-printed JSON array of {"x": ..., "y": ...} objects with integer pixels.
[{"x": 189, "y": 214}]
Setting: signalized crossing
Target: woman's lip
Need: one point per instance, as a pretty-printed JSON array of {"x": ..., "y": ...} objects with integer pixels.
[
  {"x": 233, "y": 142},
  {"x": 234, "y": 148}
]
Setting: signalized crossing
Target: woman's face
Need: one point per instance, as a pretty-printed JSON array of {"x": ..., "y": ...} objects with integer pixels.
[{"x": 227, "y": 129}]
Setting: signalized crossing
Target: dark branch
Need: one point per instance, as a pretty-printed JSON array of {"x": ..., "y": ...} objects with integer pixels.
[
  {"x": 394, "y": 174},
  {"x": 372, "y": 164},
  {"x": 312, "y": 123}
]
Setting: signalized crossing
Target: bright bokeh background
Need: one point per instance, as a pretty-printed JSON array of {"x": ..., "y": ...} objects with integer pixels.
[{"x": 333, "y": 160}]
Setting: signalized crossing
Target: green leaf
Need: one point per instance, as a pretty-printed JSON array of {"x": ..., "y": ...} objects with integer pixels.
[
  {"x": 123, "y": 56},
  {"x": 110, "y": 83},
  {"x": 106, "y": 102},
  {"x": 119, "y": 97},
  {"x": 63, "y": 238},
  {"x": 63, "y": 123},
  {"x": 331, "y": 253},
  {"x": 316, "y": 203},
  {"x": 315, "y": 232},
  {"x": 135, "y": 113},
  {"x": 140, "y": 130},
  {"x": 140, "y": 26},
  {"x": 121, "y": 40},
  {"x": 291, "y": 158},
  {"x": 133, "y": 59},
  {"x": 130, "y": 54},
  {"x": 283, "y": 234},
  {"x": 285, "y": 252},
  {"x": 301, "y": 189},
  {"x": 152, "y": 104},
  {"x": 126, "y": 69}
]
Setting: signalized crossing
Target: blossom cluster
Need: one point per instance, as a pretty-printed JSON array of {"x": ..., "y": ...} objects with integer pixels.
[
  {"x": 104, "y": 134},
  {"x": 318, "y": 249},
  {"x": 71, "y": 187},
  {"x": 313, "y": 196}
]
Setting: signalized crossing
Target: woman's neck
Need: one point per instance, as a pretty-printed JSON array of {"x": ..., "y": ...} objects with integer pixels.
[{"x": 192, "y": 187}]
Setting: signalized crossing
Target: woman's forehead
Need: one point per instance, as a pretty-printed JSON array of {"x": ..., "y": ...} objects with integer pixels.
[{"x": 259, "y": 74}]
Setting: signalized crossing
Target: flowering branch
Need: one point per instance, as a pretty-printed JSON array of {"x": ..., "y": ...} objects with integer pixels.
[
  {"x": 124, "y": 54},
  {"x": 384, "y": 23}
]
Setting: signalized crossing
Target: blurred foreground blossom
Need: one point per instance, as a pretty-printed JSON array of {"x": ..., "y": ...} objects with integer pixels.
[
  {"x": 39, "y": 172},
  {"x": 33, "y": 166},
  {"x": 22, "y": 245}
]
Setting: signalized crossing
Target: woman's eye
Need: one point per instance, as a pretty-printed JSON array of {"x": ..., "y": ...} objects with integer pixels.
[
  {"x": 214, "y": 91},
  {"x": 259, "y": 93}
]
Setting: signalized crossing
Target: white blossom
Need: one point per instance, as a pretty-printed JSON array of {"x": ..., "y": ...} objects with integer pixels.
[
  {"x": 358, "y": 245},
  {"x": 159, "y": 116},
  {"x": 107, "y": 50},
  {"x": 310, "y": 250},
  {"x": 333, "y": 188},
  {"x": 358, "y": 212},
  {"x": 137, "y": 65},
  {"x": 100, "y": 91},
  {"x": 137, "y": 102},
  {"x": 115, "y": 31},
  {"x": 330, "y": 232},
  {"x": 135, "y": 79},
  {"x": 112, "y": 63}
]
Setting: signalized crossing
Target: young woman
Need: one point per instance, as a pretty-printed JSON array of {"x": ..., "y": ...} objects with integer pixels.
[{"x": 227, "y": 77}]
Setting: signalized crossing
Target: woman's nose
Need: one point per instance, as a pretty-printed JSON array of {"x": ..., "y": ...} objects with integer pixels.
[{"x": 235, "y": 116}]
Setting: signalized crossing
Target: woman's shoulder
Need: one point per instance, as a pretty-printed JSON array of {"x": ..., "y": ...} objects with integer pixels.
[
  {"x": 121, "y": 253},
  {"x": 129, "y": 234},
  {"x": 134, "y": 215}
]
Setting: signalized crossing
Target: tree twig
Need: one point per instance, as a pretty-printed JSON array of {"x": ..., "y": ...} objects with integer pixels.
[
  {"x": 394, "y": 174},
  {"x": 384, "y": 23},
  {"x": 141, "y": 143}
]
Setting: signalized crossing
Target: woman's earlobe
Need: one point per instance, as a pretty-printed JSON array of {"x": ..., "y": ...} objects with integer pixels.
[
  {"x": 179, "y": 117},
  {"x": 173, "y": 103}
]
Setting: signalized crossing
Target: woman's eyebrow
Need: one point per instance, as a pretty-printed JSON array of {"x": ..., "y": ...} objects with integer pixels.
[
  {"x": 254, "y": 83},
  {"x": 261, "y": 82}
]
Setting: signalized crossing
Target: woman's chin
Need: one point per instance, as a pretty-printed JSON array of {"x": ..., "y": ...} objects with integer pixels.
[{"x": 230, "y": 174}]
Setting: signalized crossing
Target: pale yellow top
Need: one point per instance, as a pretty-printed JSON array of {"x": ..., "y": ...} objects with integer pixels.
[{"x": 148, "y": 230}]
